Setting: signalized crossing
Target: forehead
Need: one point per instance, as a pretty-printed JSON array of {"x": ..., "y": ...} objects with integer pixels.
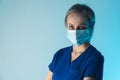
[{"x": 76, "y": 18}]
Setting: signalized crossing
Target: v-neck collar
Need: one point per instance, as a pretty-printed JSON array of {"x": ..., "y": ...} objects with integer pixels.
[{"x": 71, "y": 48}]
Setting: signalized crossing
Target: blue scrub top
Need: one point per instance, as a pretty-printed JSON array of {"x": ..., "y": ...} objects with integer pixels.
[{"x": 88, "y": 64}]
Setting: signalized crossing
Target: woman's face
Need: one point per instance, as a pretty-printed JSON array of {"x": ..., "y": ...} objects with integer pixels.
[{"x": 76, "y": 22}]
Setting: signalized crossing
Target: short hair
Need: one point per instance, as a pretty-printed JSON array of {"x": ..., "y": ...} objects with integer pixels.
[{"x": 83, "y": 10}]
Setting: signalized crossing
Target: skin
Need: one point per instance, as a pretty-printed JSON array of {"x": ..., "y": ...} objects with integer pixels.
[
  {"x": 49, "y": 75},
  {"x": 75, "y": 22}
]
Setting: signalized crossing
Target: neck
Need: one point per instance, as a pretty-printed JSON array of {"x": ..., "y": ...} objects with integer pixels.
[{"x": 81, "y": 48}]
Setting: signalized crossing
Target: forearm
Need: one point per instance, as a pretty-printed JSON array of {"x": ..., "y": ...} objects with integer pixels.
[
  {"x": 49, "y": 76},
  {"x": 89, "y": 78}
]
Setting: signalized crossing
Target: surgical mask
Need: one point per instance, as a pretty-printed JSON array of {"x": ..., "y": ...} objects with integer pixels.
[{"x": 78, "y": 37}]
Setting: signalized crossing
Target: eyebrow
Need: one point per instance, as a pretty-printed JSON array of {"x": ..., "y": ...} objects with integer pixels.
[{"x": 79, "y": 24}]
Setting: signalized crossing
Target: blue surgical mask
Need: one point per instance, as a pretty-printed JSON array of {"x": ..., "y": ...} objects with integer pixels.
[{"x": 78, "y": 37}]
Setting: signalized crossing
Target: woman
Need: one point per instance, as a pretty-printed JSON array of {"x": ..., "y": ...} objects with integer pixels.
[{"x": 80, "y": 61}]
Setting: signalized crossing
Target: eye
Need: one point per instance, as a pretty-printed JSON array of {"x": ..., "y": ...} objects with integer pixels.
[
  {"x": 81, "y": 27},
  {"x": 70, "y": 27}
]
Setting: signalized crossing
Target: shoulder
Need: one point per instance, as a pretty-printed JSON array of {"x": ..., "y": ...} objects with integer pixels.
[
  {"x": 60, "y": 54},
  {"x": 63, "y": 50},
  {"x": 95, "y": 54}
]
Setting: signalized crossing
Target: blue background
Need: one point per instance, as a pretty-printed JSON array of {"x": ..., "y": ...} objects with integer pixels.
[{"x": 31, "y": 31}]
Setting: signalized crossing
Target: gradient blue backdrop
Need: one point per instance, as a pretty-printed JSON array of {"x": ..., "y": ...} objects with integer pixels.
[{"x": 31, "y": 31}]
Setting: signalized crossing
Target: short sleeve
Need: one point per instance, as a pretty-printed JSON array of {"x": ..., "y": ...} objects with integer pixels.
[
  {"x": 53, "y": 62},
  {"x": 95, "y": 69}
]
